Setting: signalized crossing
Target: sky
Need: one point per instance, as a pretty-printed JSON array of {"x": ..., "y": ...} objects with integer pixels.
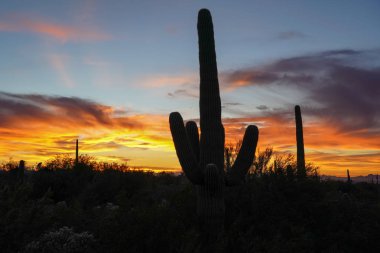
[{"x": 109, "y": 73}]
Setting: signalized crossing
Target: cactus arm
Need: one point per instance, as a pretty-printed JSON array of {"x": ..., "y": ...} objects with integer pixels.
[
  {"x": 245, "y": 156},
  {"x": 184, "y": 152},
  {"x": 193, "y": 135},
  {"x": 212, "y": 132}
]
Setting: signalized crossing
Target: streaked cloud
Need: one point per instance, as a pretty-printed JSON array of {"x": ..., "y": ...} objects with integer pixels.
[
  {"x": 262, "y": 107},
  {"x": 159, "y": 81},
  {"x": 59, "y": 64},
  {"x": 185, "y": 85},
  {"x": 340, "y": 87},
  {"x": 44, "y": 27},
  {"x": 35, "y": 127},
  {"x": 287, "y": 35},
  {"x": 183, "y": 93}
]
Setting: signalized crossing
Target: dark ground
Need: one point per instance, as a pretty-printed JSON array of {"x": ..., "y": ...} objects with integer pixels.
[{"x": 85, "y": 210}]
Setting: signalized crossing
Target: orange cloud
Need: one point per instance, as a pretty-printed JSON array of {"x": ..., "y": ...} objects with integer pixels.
[
  {"x": 36, "y": 127},
  {"x": 240, "y": 78},
  {"x": 60, "y": 32}
]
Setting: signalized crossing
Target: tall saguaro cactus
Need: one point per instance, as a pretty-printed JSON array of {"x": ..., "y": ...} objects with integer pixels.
[
  {"x": 301, "y": 168},
  {"x": 202, "y": 159}
]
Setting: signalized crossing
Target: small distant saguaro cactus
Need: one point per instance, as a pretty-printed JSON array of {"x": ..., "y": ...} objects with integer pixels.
[
  {"x": 301, "y": 168},
  {"x": 348, "y": 176},
  {"x": 76, "y": 154},
  {"x": 202, "y": 159}
]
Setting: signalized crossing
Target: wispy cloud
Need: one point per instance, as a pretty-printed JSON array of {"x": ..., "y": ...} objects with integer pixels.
[
  {"x": 185, "y": 85},
  {"x": 169, "y": 80},
  {"x": 340, "y": 87},
  {"x": 340, "y": 105},
  {"x": 43, "y": 27},
  {"x": 287, "y": 35},
  {"x": 183, "y": 93},
  {"x": 59, "y": 64},
  {"x": 302, "y": 69},
  {"x": 91, "y": 61}
]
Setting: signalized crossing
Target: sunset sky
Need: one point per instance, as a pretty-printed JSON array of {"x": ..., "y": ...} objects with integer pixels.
[{"x": 110, "y": 72}]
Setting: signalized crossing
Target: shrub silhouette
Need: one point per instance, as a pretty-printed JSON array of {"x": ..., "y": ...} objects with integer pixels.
[
  {"x": 64, "y": 240},
  {"x": 142, "y": 212}
]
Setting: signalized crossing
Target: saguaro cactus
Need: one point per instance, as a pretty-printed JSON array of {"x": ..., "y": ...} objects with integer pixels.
[
  {"x": 301, "y": 169},
  {"x": 202, "y": 159},
  {"x": 76, "y": 154},
  {"x": 348, "y": 176}
]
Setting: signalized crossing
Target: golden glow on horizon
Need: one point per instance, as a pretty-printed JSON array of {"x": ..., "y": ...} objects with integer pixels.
[{"x": 145, "y": 141}]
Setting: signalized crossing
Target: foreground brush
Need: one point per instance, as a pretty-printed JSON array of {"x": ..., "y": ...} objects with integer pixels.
[{"x": 202, "y": 159}]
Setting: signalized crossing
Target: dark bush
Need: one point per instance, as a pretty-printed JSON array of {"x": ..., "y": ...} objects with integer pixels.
[{"x": 134, "y": 211}]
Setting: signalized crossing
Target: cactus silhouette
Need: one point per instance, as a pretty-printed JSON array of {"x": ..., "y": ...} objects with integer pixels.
[
  {"x": 202, "y": 159},
  {"x": 20, "y": 171},
  {"x": 348, "y": 176},
  {"x": 76, "y": 154},
  {"x": 301, "y": 168}
]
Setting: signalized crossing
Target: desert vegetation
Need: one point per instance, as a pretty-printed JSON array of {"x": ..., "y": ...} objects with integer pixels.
[{"x": 63, "y": 209}]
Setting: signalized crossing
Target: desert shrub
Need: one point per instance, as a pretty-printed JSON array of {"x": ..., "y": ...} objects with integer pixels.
[
  {"x": 133, "y": 211},
  {"x": 63, "y": 240}
]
